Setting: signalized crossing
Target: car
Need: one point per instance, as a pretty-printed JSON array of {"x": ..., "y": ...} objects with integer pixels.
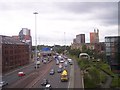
[
  {"x": 44, "y": 61},
  {"x": 57, "y": 62},
  {"x": 65, "y": 63},
  {"x": 37, "y": 65},
  {"x": 71, "y": 63},
  {"x": 52, "y": 72},
  {"x": 45, "y": 82},
  {"x": 3, "y": 83},
  {"x": 62, "y": 61},
  {"x": 48, "y": 87},
  {"x": 60, "y": 65},
  {"x": 69, "y": 60},
  {"x": 59, "y": 70},
  {"x": 20, "y": 74}
]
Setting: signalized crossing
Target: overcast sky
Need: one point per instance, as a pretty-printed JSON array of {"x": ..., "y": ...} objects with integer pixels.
[{"x": 58, "y": 22}]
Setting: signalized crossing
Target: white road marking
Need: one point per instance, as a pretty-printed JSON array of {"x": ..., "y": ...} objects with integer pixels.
[
  {"x": 71, "y": 77},
  {"x": 82, "y": 80}
]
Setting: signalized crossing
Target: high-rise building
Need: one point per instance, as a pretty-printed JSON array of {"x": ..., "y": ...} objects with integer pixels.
[
  {"x": 74, "y": 40},
  {"x": 112, "y": 44},
  {"x": 94, "y": 36},
  {"x": 80, "y": 38}
]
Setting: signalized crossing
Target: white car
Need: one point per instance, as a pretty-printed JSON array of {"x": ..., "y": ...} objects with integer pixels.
[
  {"x": 3, "y": 83},
  {"x": 69, "y": 60},
  {"x": 48, "y": 87},
  {"x": 61, "y": 61}
]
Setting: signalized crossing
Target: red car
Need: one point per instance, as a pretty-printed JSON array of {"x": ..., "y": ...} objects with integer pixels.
[{"x": 20, "y": 74}]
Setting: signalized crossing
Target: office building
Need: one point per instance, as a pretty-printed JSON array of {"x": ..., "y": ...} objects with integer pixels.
[
  {"x": 80, "y": 38},
  {"x": 112, "y": 44}
]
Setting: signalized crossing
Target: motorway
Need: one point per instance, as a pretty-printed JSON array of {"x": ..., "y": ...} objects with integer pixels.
[{"x": 34, "y": 77}]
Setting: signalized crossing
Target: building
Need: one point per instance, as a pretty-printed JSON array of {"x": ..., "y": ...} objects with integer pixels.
[
  {"x": 14, "y": 53},
  {"x": 94, "y": 36},
  {"x": 80, "y": 38},
  {"x": 74, "y": 40},
  {"x": 112, "y": 44},
  {"x": 98, "y": 47},
  {"x": 25, "y": 36}
]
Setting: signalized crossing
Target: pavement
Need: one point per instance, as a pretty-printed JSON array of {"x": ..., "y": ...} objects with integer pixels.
[{"x": 78, "y": 75}]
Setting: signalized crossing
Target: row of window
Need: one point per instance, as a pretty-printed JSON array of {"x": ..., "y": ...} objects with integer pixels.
[{"x": 14, "y": 51}]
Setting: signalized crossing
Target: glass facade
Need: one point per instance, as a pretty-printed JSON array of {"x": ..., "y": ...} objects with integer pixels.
[{"x": 113, "y": 52}]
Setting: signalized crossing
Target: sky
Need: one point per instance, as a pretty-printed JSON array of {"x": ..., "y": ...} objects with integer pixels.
[{"x": 59, "y": 21}]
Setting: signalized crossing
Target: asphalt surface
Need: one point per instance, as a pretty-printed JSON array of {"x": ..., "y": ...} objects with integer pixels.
[
  {"x": 78, "y": 78},
  {"x": 34, "y": 77},
  {"x": 54, "y": 79},
  {"x": 12, "y": 77}
]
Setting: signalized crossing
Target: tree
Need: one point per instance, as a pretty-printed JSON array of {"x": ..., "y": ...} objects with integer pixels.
[{"x": 84, "y": 49}]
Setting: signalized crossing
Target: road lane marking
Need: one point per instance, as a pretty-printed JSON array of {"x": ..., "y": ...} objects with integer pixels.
[
  {"x": 82, "y": 79},
  {"x": 32, "y": 84}
]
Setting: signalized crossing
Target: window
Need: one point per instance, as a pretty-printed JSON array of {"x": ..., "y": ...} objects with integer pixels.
[
  {"x": 107, "y": 44},
  {"x": 108, "y": 49}
]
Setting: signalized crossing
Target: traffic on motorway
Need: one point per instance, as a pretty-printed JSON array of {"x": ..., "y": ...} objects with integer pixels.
[{"x": 46, "y": 73}]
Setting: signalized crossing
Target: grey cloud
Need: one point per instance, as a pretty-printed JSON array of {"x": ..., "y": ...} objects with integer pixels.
[
  {"x": 86, "y": 7},
  {"x": 106, "y": 12},
  {"x": 25, "y": 6}
]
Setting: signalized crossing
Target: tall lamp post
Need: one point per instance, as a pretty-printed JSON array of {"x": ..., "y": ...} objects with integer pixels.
[
  {"x": 35, "y": 38},
  {"x": 65, "y": 43}
]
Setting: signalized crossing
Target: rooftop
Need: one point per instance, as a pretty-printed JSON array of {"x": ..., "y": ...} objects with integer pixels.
[{"x": 9, "y": 40}]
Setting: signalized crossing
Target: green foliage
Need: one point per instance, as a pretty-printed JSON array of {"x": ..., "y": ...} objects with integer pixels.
[
  {"x": 74, "y": 52},
  {"x": 84, "y": 64},
  {"x": 88, "y": 82},
  {"x": 116, "y": 82},
  {"x": 84, "y": 49},
  {"x": 95, "y": 74},
  {"x": 103, "y": 77}
]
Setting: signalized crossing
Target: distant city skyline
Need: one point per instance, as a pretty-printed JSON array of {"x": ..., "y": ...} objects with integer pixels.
[{"x": 58, "y": 17}]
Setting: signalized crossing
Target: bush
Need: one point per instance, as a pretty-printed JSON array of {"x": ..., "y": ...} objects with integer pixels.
[
  {"x": 115, "y": 82},
  {"x": 95, "y": 74},
  {"x": 88, "y": 82},
  {"x": 103, "y": 77}
]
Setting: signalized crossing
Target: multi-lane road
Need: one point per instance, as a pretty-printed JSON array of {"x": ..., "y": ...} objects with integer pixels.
[{"x": 34, "y": 77}]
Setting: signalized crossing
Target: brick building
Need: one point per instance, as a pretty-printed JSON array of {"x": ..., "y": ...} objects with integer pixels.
[
  {"x": 14, "y": 53},
  {"x": 98, "y": 47},
  {"x": 94, "y": 36}
]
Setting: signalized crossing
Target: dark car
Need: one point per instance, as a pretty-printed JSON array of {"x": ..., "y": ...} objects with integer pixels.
[
  {"x": 3, "y": 83},
  {"x": 59, "y": 70},
  {"x": 52, "y": 72},
  {"x": 71, "y": 63},
  {"x": 45, "y": 82},
  {"x": 37, "y": 66}
]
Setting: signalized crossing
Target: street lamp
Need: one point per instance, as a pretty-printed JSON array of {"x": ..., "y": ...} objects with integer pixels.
[
  {"x": 65, "y": 43},
  {"x": 35, "y": 37}
]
